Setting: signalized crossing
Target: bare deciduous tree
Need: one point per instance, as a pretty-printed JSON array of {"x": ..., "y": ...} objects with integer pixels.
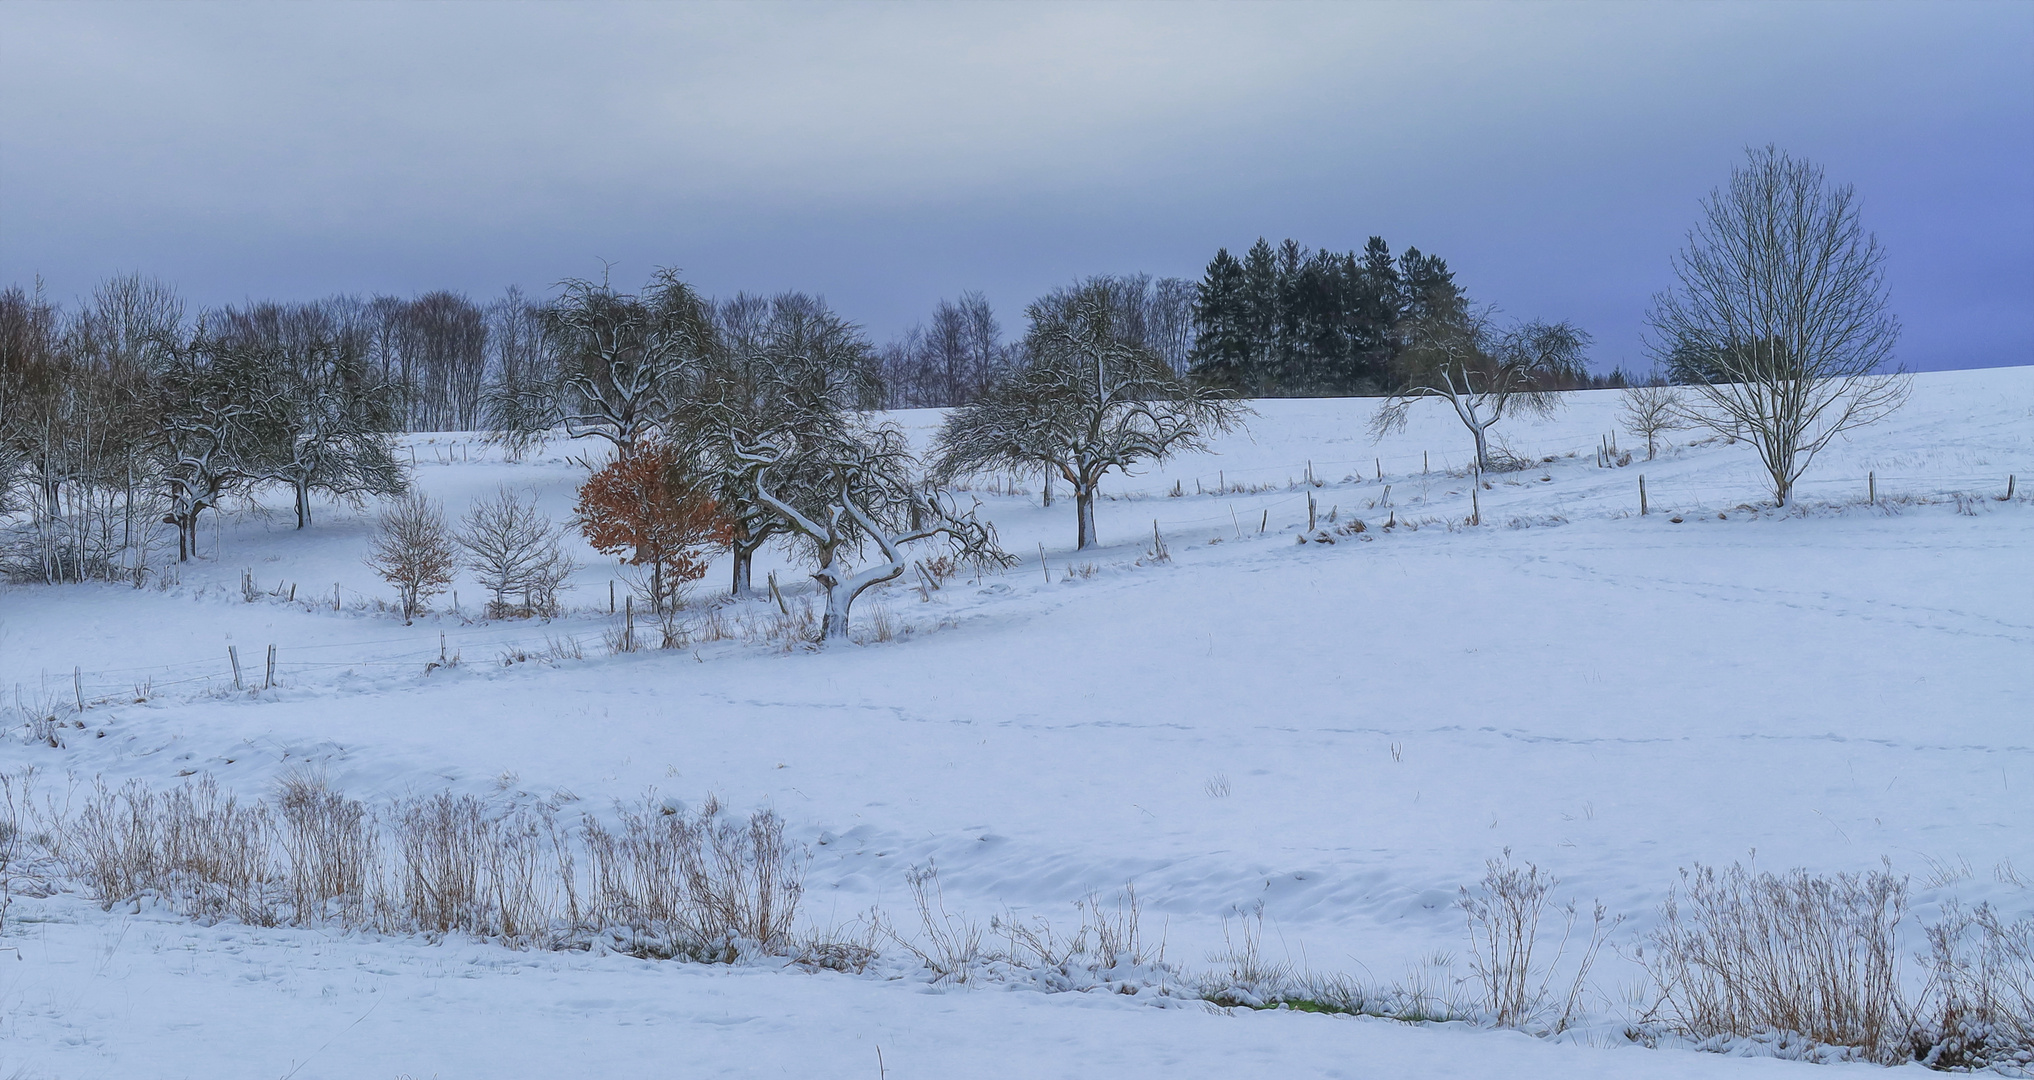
[
  {"x": 336, "y": 413},
  {"x": 221, "y": 416},
  {"x": 412, "y": 550},
  {"x": 871, "y": 499},
  {"x": 513, "y": 550},
  {"x": 520, "y": 402},
  {"x": 1485, "y": 374},
  {"x": 790, "y": 374},
  {"x": 1651, "y": 410},
  {"x": 624, "y": 359},
  {"x": 1090, "y": 398},
  {"x": 1780, "y": 325},
  {"x": 948, "y": 361}
]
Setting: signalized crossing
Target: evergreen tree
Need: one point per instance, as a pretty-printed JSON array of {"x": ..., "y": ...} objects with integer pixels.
[
  {"x": 1427, "y": 289},
  {"x": 1221, "y": 355},
  {"x": 1372, "y": 316},
  {"x": 1261, "y": 316}
]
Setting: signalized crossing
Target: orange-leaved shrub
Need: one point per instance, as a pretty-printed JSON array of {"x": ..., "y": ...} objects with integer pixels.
[{"x": 648, "y": 502}]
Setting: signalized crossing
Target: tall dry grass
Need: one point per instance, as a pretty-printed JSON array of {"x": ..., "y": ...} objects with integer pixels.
[
  {"x": 707, "y": 883},
  {"x": 1740, "y": 952}
]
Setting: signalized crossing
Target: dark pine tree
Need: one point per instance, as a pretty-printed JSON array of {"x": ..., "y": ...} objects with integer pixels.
[
  {"x": 1222, "y": 342},
  {"x": 1261, "y": 315},
  {"x": 1428, "y": 289},
  {"x": 1376, "y": 297}
]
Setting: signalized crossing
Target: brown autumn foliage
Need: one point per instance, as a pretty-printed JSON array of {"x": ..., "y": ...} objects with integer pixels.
[{"x": 647, "y": 503}]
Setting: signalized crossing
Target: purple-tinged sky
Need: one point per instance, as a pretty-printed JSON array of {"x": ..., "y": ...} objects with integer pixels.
[{"x": 887, "y": 156}]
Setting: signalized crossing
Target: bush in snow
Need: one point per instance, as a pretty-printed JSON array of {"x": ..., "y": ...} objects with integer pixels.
[
  {"x": 412, "y": 550},
  {"x": 646, "y": 502},
  {"x": 512, "y": 547}
]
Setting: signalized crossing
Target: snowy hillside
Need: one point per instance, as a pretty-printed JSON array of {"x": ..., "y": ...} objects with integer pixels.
[{"x": 1316, "y": 742}]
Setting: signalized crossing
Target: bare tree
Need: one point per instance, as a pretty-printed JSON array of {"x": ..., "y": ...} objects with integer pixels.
[
  {"x": 412, "y": 550},
  {"x": 871, "y": 499},
  {"x": 1091, "y": 398},
  {"x": 220, "y": 415},
  {"x": 1780, "y": 325},
  {"x": 624, "y": 359},
  {"x": 75, "y": 413},
  {"x": 520, "y": 401},
  {"x": 513, "y": 550},
  {"x": 1651, "y": 410},
  {"x": 792, "y": 375},
  {"x": 1171, "y": 322},
  {"x": 337, "y": 415},
  {"x": 448, "y": 335},
  {"x": 947, "y": 361},
  {"x": 1485, "y": 374}
]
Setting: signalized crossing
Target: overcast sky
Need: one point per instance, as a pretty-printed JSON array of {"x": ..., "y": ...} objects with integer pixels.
[{"x": 889, "y": 155}]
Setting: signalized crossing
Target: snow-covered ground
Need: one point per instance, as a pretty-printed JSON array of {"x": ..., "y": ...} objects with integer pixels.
[{"x": 1341, "y": 732}]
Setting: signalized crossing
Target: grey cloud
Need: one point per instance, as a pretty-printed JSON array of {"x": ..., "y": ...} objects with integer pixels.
[{"x": 888, "y": 155}]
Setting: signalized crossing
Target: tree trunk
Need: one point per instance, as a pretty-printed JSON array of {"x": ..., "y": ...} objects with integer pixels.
[
  {"x": 744, "y": 561},
  {"x": 1482, "y": 448},
  {"x": 833, "y": 626},
  {"x": 1084, "y": 504},
  {"x": 303, "y": 503},
  {"x": 1048, "y": 486}
]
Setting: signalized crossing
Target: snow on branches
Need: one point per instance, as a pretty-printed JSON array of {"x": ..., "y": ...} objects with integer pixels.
[{"x": 1088, "y": 399}]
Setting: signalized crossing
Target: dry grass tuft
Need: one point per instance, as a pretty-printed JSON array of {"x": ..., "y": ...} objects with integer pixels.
[
  {"x": 1977, "y": 1011},
  {"x": 1742, "y": 953},
  {"x": 1505, "y": 912}
]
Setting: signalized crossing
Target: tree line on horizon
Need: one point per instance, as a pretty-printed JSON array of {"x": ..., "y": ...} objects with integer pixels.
[
  {"x": 756, "y": 420},
  {"x": 125, "y": 411},
  {"x": 732, "y": 423}
]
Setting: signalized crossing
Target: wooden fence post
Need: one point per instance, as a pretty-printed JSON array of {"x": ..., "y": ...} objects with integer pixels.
[
  {"x": 269, "y": 679},
  {"x": 78, "y": 684},
  {"x": 233, "y": 654},
  {"x": 1642, "y": 494}
]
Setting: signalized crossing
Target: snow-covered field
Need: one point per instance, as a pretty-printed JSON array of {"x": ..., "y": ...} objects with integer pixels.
[{"x": 1343, "y": 733}]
